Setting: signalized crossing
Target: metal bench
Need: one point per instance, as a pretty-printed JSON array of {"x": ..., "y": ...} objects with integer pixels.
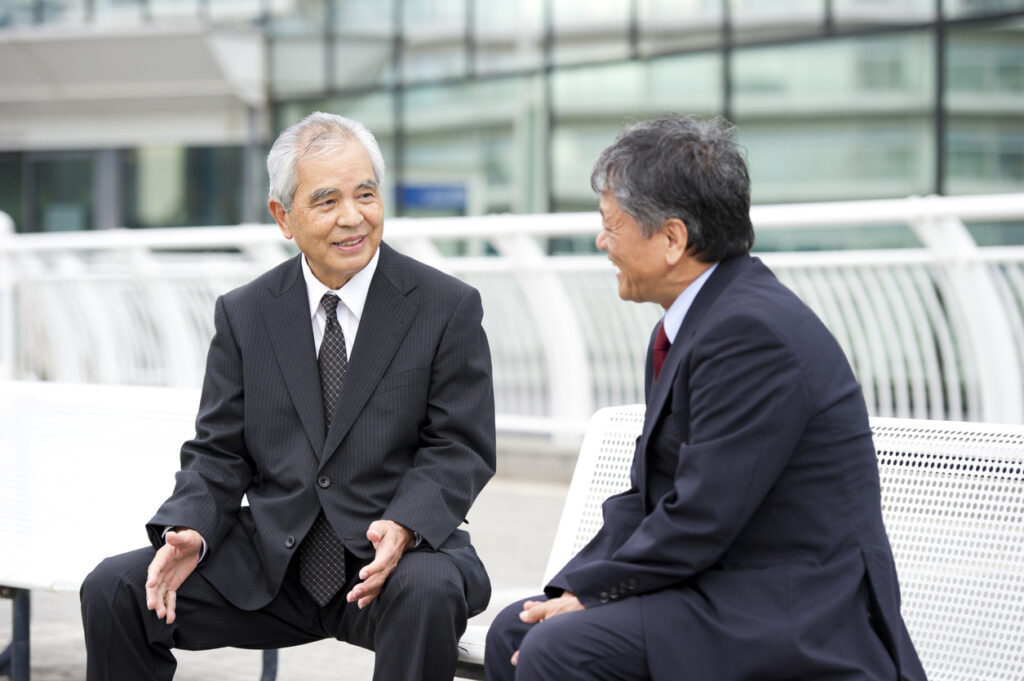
[{"x": 953, "y": 504}]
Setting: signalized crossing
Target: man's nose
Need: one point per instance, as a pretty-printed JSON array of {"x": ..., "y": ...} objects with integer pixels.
[
  {"x": 348, "y": 214},
  {"x": 600, "y": 241}
]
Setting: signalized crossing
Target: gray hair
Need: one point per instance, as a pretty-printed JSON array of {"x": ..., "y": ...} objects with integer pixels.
[
  {"x": 686, "y": 168},
  {"x": 313, "y": 135}
]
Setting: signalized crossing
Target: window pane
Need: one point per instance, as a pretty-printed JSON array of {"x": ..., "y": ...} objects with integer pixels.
[
  {"x": 298, "y": 65},
  {"x": 509, "y": 35},
  {"x": 771, "y": 19},
  {"x": 434, "y": 33},
  {"x": 10, "y": 187},
  {"x": 469, "y": 146},
  {"x": 61, "y": 186},
  {"x": 589, "y": 30},
  {"x": 17, "y": 13},
  {"x": 117, "y": 12},
  {"x": 986, "y": 64},
  {"x": 985, "y": 156},
  {"x": 678, "y": 24},
  {"x": 298, "y": 51},
  {"x": 154, "y": 187},
  {"x": 825, "y": 160},
  {"x": 362, "y": 43},
  {"x": 885, "y": 73},
  {"x": 165, "y": 10},
  {"x": 68, "y": 12},
  {"x": 688, "y": 83},
  {"x": 961, "y": 8},
  {"x": 235, "y": 10},
  {"x": 354, "y": 17},
  {"x": 985, "y": 110},
  {"x": 873, "y": 12},
  {"x": 361, "y": 62},
  {"x": 182, "y": 186},
  {"x": 850, "y": 118}
]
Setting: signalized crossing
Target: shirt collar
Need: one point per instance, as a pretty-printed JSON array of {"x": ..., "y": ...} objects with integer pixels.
[
  {"x": 674, "y": 316},
  {"x": 353, "y": 293}
]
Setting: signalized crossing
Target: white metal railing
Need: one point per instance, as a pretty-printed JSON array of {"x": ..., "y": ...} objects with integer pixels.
[{"x": 932, "y": 332}]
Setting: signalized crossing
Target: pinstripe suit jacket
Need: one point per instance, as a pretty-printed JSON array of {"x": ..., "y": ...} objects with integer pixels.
[{"x": 412, "y": 438}]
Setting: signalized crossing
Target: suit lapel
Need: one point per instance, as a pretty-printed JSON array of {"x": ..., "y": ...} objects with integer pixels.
[
  {"x": 658, "y": 393},
  {"x": 288, "y": 325},
  {"x": 386, "y": 319}
]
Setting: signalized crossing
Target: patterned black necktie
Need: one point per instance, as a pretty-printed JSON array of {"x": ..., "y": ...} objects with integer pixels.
[{"x": 322, "y": 555}]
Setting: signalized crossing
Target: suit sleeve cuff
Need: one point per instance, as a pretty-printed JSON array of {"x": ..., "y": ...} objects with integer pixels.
[{"x": 202, "y": 553}]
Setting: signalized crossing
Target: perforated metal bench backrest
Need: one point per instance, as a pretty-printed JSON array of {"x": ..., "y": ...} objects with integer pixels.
[{"x": 953, "y": 504}]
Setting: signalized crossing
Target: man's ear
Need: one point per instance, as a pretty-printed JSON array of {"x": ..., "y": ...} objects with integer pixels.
[
  {"x": 281, "y": 216},
  {"x": 675, "y": 232}
]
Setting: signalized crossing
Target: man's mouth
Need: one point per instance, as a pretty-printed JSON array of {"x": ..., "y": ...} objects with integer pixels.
[{"x": 349, "y": 242}]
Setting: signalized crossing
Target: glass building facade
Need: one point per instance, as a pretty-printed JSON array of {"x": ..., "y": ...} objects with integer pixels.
[{"x": 484, "y": 106}]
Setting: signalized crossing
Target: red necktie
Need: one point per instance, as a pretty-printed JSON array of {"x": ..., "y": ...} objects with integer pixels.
[{"x": 661, "y": 346}]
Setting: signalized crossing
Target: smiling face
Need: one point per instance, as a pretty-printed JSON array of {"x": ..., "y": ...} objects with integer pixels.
[
  {"x": 641, "y": 260},
  {"x": 337, "y": 215}
]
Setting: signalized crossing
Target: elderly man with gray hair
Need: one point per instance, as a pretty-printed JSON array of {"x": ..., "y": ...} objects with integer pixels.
[
  {"x": 348, "y": 397},
  {"x": 750, "y": 545}
]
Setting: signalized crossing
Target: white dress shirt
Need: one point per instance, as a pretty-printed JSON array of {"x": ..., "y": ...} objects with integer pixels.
[
  {"x": 674, "y": 315},
  {"x": 350, "y": 309}
]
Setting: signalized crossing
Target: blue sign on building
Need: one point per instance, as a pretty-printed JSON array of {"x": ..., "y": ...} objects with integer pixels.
[{"x": 446, "y": 197}]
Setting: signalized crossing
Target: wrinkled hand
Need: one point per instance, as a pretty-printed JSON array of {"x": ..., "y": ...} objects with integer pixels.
[
  {"x": 173, "y": 563},
  {"x": 390, "y": 540},
  {"x": 538, "y": 611}
]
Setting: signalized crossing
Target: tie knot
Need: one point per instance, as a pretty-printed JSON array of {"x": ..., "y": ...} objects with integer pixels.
[{"x": 330, "y": 303}]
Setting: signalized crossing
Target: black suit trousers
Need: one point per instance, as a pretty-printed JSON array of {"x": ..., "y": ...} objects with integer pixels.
[{"x": 413, "y": 625}]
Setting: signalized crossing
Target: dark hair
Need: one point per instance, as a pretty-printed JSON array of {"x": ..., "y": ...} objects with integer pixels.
[{"x": 686, "y": 168}]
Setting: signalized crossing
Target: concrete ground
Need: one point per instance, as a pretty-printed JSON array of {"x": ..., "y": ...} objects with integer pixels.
[{"x": 513, "y": 524}]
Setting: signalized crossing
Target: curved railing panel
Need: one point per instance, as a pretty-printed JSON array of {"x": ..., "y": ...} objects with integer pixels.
[{"x": 931, "y": 332}]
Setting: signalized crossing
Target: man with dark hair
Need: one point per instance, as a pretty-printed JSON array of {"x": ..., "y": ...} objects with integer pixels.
[
  {"x": 750, "y": 544},
  {"x": 348, "y": 396}
]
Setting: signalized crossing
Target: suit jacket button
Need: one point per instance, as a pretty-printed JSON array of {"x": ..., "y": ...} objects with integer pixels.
[
  {"x": 631, "y": 585},
  {"x": 603, "y": 597},
  {"x": 323, "y": 481},
  {"x": 289, "y": 542},
  {"x": 613, "y": 593}
]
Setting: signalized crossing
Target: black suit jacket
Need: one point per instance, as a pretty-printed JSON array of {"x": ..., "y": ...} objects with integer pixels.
[
  {"x": 753, "y": 531},
  {"x": 412, "y": 439}
]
